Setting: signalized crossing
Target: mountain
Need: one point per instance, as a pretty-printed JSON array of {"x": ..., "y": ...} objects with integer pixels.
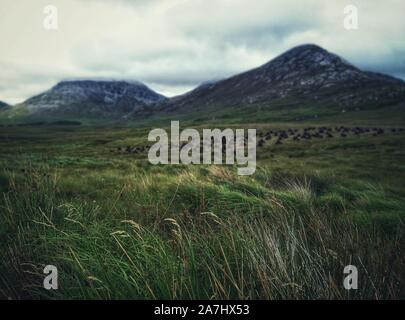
[
  {"x": 91, "y": 98},
  {"x": 305, "y": 77},
  {"x": 3, "y": 104}
]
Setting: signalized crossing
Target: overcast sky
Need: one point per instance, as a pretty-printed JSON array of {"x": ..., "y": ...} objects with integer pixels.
[{"x": 174, "y": 45}]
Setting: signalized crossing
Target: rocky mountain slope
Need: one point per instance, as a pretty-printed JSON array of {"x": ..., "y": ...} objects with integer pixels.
[
  {"x": 90, "y": 98},
  {"x": 304, "y": 75},
  {"x": 3, "y": 104}
]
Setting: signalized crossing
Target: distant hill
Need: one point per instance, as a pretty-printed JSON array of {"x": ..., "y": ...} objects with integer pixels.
[
  {"x": 90, "y": 99},
  {"x": 3, "y": 104},
  {"x": 304, "y": 81}
]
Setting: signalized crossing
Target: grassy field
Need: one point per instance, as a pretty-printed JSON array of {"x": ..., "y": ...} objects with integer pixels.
[{"x": 119, "y": 228}]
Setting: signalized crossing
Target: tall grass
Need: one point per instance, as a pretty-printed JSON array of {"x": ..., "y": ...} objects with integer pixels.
[{"x": 207, "y": 234}]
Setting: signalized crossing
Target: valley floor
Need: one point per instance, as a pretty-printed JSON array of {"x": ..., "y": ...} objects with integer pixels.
[{"x": 86, "y": 200}]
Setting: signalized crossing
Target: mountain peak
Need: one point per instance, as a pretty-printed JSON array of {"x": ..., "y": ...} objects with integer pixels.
[
  {"x": 97, "y": 82},
  {"x": 307, "y": 46},
  {"x": 309, "y": 56},
  {"x": 94, "y": 98}
]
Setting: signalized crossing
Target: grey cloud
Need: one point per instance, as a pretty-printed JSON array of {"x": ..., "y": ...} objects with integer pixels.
[{"x": 391, "y": 62}]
